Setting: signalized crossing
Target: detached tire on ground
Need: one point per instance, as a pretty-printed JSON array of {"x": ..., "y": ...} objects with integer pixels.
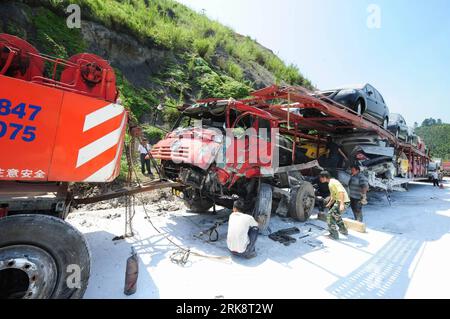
[
  {"x": 195, "y": 203},
  {"x": 42, "y": 257},
  {"x": 263, "y": 206},
  {"x": 302, "y": 202}
]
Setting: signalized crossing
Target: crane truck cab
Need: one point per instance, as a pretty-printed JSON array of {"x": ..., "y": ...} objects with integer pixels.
[{"x": 59, "y": 124}]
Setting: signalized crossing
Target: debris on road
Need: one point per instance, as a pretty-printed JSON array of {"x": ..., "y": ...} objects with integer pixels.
[{"x": 283, "y": 236}]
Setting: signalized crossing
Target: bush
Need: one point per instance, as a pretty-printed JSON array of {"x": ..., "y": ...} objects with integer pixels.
[
  {"x": 233, "y": 89},
  {"x": 235, "y": 71},
  {"x": 203, "y": 47},
  {"x": 153, "y": 134}
]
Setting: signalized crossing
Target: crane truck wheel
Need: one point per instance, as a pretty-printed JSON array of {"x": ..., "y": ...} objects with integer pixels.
[
  {"x": 263, "y": 206},
  {"x": 42, "y": 257},
  {"x": 302, "y": 202},
  {"x": 195, "y": 202}
]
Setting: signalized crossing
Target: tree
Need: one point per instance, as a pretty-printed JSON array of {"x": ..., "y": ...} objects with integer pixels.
[{"x": 429, "y": 122}]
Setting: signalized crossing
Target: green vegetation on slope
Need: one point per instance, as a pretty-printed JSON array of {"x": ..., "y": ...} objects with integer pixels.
[
  {"x": 175, "y": 27},
  {"x": 209, "y": 59},
  {"x": 436, "y": 137},
  {"x": 54, "y": 37}
]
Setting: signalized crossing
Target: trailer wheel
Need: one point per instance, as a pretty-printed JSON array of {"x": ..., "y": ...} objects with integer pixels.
[
  {"x": 302, "y": 202},
  {"x": 195, "y": 202},
  {"x": 42, "y": 257},
  {"x": 263, "y": 206}
]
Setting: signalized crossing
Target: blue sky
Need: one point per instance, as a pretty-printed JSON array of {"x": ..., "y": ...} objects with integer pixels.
[{"x": 407, "y": 59}]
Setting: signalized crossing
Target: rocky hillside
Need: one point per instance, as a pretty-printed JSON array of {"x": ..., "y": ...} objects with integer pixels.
[{"x": 163, "y": 52}]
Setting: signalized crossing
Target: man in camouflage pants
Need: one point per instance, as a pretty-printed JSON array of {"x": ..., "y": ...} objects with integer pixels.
[{"x": 338, "y": 204}]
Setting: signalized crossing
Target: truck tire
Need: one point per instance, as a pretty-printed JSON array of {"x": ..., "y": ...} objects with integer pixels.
[
  {"x": 196, "y": 203},
  {"x": 359, "y": 107},
  {"x": 42, "y": 257},
  {"x": 263, "y": 206},
  {"x": 302, "y": 202}
]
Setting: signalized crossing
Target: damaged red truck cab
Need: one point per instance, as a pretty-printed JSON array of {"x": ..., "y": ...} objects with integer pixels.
[{"x": 221, "y": 150}]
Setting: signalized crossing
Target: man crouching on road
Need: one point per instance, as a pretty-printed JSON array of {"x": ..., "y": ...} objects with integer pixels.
[
  {"x": 338, "y": 204},
  {"x": 242, "y": 232},
  {"x": 358, "y": 186}
]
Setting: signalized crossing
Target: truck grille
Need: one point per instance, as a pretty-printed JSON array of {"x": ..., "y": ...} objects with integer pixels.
[{"x": 165, "y": 152}]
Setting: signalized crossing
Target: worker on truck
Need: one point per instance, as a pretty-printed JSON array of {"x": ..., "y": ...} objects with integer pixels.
[
  {"x": 358, "y": 186},
  {"x": 144, "y": 150},
  {"x": 338, "y": 204},
  {"x": 335, "y": 158},
  {"x": 322, "y": 193},
  {"x": 242, "y": 232}
]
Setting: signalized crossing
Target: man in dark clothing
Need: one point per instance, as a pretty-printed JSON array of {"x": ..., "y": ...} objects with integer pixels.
[
  {"x": 336, "y": 154},
  {"x": 322, "y": 193},
  {"x": 358, "y": 187},
  {"x": 335, "y": 158}
]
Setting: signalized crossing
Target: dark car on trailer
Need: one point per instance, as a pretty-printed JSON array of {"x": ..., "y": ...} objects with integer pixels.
[
  {"x": 398, "y": 127},
  {"x": 364, "y": 99}
]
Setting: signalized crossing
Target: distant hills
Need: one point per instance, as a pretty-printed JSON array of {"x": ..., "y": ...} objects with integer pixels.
[{"x": 437, "y": 137}]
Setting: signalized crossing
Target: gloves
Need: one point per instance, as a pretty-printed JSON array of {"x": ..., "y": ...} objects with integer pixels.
[{"x": 364, "y": 199}]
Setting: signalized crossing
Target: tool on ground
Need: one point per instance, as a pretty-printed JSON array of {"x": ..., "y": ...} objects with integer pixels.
[
  {"x": 212, "y": 232},
  {"x": 314, "y": 243},
  {"x": 180, "y": 257},
  {"x": 283, "y": 236},
  {"x": 316, "y": 226},
  {"x": 131, "y": 274}
]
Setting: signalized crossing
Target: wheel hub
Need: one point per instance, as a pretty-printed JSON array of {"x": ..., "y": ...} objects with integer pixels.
[
  {"x": 27, "y": 272},
  {"x": 308, "y": 202}
]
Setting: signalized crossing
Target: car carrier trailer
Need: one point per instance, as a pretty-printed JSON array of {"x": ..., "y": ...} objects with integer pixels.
[
  {"x": 216, "y": 165},
  {"x": 60, "y": 124}
]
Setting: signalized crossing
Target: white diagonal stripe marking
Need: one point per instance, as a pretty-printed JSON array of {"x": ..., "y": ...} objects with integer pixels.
[
  {"x": 102, "y": 115},
  {"x": 105, "y": 173},
  {"x": 99, "y": 146}
]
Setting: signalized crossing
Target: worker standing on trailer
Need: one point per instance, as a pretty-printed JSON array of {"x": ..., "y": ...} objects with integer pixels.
[
  {"x": 144, "y": 150},
  {"x": 338, "y": 204},
  {"x": 336, "y": 155},
  {"x": 358, "y": 186},
  {"x": 242, "y": 232}
]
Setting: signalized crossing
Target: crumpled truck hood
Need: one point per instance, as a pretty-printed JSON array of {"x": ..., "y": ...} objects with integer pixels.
[{"x": 193, "y": 146}]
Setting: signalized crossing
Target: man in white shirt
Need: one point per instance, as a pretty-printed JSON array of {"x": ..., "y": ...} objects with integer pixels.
[
  {"x": 144, "y": 149},
  {"x": 242, "y": 232},
  {"x": 435, "y": 176}
]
